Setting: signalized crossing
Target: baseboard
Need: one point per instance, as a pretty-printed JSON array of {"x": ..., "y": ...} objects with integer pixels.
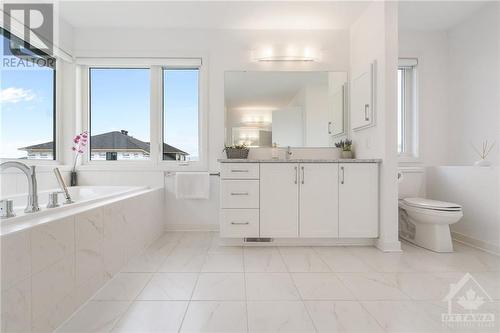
[
  {"x": 192, "y": 227},
  {"x": 388, "y": 246},
  {"x": 476, "y": 243}
]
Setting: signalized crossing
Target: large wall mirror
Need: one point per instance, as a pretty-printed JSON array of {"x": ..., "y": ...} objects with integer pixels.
[{"x": 297, "y": 109}]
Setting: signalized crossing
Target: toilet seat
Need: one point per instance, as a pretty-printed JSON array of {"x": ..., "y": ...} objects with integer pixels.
[{"x": 429, "y": 204}]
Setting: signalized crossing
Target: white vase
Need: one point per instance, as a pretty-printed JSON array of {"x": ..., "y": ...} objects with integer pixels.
[{"x": 482, "y": 163}]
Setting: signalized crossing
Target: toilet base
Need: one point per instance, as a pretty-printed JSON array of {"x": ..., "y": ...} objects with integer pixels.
[{"x": 434, "y": 237}]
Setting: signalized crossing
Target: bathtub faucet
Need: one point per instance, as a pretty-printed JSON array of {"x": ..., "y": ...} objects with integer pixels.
[
  {"x": 62, "y": 185},
  {"x": 30, "y": 173}
]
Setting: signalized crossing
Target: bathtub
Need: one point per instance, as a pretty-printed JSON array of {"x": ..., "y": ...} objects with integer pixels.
[
  {"x": 81, "y": 195},
  {"x": 53, "y": 261}
]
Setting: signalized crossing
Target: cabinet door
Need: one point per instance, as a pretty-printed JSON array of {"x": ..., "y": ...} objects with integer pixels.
[
  {"x": 358, "y": 200},
  {"x": 279, "y": 191},
  {"x": 362, "y": 98},
  {"x": 318, "y": 200}
]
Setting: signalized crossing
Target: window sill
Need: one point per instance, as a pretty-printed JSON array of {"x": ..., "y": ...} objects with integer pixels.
[{"x": 146, "y": 166}]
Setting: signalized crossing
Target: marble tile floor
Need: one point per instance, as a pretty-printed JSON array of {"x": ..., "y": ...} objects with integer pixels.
[{"x": 186, "y": 282}]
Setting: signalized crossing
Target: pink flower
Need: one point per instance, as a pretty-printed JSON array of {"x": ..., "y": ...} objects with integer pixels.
[{"x": 79, "y": 145}]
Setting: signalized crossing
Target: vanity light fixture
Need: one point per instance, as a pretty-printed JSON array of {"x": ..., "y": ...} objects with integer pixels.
[{"x": 305, "y": 54}]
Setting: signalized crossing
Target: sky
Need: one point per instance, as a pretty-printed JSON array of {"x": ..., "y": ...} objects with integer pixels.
[
  {"x": 26, "y": 105},
  {"x": 120, "y": 101}
]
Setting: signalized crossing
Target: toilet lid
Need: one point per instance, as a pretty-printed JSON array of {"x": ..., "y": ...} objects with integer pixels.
[{"x": 432, "y": 204}]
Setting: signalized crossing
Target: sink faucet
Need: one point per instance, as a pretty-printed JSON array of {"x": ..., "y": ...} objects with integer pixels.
[
  {"x": 288, "y": 153},
  {"x": 32, "y": 188}
]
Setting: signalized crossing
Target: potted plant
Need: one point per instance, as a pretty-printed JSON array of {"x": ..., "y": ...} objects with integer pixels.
[
  {"x": 236, "y": 151},
  {"x": 80, "y": 142},
  {"x": 346, "y": 146}
]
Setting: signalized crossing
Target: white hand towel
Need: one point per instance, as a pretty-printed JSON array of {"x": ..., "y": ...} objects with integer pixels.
[{"x": 192, "y": 185}]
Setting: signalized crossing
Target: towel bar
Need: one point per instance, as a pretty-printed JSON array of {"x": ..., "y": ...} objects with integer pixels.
[{"x": 171, "y": 173}]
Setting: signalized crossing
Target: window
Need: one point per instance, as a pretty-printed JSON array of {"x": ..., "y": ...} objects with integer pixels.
[
  {"x": 181, "y": 114},
  {"x": 111, "y": 156},
  {"x": 407, "y": 108},
  {"x": 119, "y": 113},
  {"x": 147, "y": 110},
  {"x": 27, "y": 102}
]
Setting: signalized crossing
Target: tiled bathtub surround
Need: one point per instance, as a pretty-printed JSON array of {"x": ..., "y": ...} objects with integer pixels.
[{"x": 49, "y": 270}]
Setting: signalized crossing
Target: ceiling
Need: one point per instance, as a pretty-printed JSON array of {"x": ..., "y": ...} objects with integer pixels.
[
  {"x": 435, "y": 15},
  {"x": 308, "y": 15}
]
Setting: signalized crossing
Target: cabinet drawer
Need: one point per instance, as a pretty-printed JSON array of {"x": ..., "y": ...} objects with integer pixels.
[
  {"x": 239, "y": 223},
  {"x": 239, "y": 194},
  {"x": 239, "y": 171}
]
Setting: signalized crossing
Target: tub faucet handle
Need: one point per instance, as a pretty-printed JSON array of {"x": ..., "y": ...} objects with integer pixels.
[
  {"x": 6, "y": 209},
  {"x": 53, "y": 199}
]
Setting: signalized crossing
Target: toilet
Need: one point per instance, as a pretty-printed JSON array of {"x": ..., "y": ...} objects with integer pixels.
[{"x": 426, "y": 222}]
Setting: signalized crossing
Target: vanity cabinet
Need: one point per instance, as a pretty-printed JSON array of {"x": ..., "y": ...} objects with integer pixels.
[
  {"x": 358, "y": 200},
  {"x": 319, "y": 205},
  {"x": 239, "y": 200},
  {"x": 279, "y": 195},
  {"x": 299, "y": 200}
]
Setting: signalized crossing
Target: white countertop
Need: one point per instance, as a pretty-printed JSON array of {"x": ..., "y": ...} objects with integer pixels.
[{"x": 308, "y": 160}]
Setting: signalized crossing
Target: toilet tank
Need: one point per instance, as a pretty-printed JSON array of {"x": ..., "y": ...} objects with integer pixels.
[{"x": 411, "y": 182}]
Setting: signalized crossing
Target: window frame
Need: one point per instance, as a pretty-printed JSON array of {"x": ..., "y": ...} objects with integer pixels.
[
  {"x": 156, "y": 66},
  {"x": 57, "y": 121},
  {"x": 410, "y": 118},
  {"x": 89, "y": 113},
  {"x": 162, "y": 140}
]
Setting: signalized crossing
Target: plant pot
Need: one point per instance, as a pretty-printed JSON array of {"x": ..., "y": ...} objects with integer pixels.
[
  {"x": 73, "y": 178},
  {"x": 347, "y": 154},
  {"x": 236, "y": 153}
]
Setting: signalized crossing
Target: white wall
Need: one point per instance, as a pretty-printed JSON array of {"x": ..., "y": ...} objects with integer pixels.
[
  {"x": 225, "y": 50},
  {"x": 458, "y": 75},
  {"x": 374, "y": 37},
  {"x": 474, "y": 89},
  {"x": 478, "y": 191}
]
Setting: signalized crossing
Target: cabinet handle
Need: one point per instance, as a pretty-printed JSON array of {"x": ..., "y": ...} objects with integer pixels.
[
  {"x": 366, "y": 112},
  {"x": 303, "y": 174},
  {"x": 329, "y": 127},
  {"x": 238, "y": 170},
  {"x": 296, "y": 174},
  {"x": 239, "y": 193},
  {"x": 240, "y": 223},
  {"x": 342, "y": 175}
]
